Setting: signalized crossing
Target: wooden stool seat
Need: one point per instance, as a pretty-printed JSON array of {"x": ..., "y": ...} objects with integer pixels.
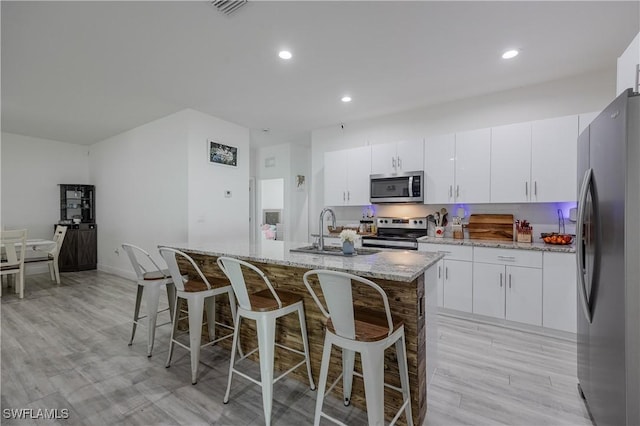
[
  {"x": 263, "y": 301},
  {"x": 371, "y": 325}
]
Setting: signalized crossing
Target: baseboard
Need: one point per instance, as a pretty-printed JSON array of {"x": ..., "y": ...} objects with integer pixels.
[
  {"x": 543, "y": 331},
  {"x": 124, "y": 273}
]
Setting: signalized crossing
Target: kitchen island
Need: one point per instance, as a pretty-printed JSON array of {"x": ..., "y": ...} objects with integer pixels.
[{"x": 408, "y": 278}]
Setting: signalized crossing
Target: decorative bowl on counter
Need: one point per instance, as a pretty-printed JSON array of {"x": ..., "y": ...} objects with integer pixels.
[{"x": 558, "y": 239}]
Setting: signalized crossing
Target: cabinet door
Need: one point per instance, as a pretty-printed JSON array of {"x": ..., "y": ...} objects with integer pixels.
[
  {"x": 410, "y": 156},
  {"x": 554, "y": 152},
  {"x": 335, "y": 178},
  {"x": 358, "y": 173},
  {"x": 67, "y": 258},
  {"x": 87, "y": 249},
  {"x": 489, "y": 289},
  {"x": 524, "y": 295},
  {"x": 440, "y": 275},
  {"x": 473, "y": 166},
  {"x": 458, "y": 285},
  {"x": 439, "y": 168},
  {"x": 510, "y": 163},
  {"x": 383, "y": 159},
  {"x": 559, "y": 291}
]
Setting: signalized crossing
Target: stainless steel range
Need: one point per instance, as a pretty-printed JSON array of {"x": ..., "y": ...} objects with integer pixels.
[{"x": 397, "y": 233}]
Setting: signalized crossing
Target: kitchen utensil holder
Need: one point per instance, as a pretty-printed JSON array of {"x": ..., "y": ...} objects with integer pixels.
[
  {"x": 523, "y": 237},
  {"x": 458, "y": 233},
  {"x": 439, "y": 231}
]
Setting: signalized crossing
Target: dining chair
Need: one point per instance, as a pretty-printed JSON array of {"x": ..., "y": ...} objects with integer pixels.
[
  {"x": 151, "y": 280},
  {"x": 14, "y": 244},
  {"x": 50, "y": 256},
  {"x": 200, "y": 295},
  {"x": 365, "y": 330},
  {"x": 264, "y": 307}
]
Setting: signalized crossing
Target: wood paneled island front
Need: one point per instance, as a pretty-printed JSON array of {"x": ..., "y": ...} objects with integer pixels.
[{"x": 408, "y": 278}]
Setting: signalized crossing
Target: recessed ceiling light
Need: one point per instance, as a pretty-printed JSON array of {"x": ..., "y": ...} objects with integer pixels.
[
  {"x": 346, "y": 99},
  {"x": 510, "y": 54},
  {"x": 285, "y": 54}
]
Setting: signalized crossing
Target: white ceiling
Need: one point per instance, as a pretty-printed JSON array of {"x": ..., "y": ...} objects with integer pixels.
[{"x": 83, "y": 71}]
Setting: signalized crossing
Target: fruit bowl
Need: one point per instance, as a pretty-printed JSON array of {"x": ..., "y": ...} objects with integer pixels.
[{"x": 558, "y": 239}]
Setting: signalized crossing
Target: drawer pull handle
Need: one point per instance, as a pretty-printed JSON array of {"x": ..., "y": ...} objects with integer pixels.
[
  {"x": 500, "y": 279},
  {"x": 443, "y": 252},
  {"x": 509, "y": 280},
  {"x": 509, "y": 258},
  {"x": 439, "y": 271},
  {"x": 446, "y": 273}
]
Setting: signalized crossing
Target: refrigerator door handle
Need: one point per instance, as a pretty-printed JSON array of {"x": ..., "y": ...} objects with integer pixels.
[{"x": 582, "y": 201}]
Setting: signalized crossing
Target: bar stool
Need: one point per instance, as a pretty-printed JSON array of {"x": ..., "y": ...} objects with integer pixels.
[
  {"x": 264, "y": 307},
  {"x": 149, "y": 285},
  {"x": 199, "y": 295},
  {"x": 362, "y": 330}
]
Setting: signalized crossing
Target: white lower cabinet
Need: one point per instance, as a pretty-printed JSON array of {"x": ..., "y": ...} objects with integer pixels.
[
  {"x": 523, "y": 302},
  {"x": 507, "y": 284},
  {"x": 488, "y": 297},
  {"x": 455, "y": 275},
  {"x": 525, "y": 286},
  {"x": 559, "y": 287}
]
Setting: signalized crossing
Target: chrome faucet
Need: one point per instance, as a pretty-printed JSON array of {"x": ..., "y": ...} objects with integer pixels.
[{"x": 321, "y": 229}]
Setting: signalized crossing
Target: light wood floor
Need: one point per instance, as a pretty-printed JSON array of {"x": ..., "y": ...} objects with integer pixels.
[{"x": 65, "y": 347}]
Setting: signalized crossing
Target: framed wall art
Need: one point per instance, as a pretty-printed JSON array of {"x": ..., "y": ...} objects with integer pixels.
[{"x": 222, "y": 154}]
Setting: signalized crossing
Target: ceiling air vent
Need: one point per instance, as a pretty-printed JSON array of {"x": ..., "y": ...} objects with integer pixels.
[{"x": 228, "y": 6}]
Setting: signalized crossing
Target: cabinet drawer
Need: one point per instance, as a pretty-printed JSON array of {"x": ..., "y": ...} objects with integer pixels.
[
  {"x": 528, "y": 258},
  {"x": 451, "y": 252}
]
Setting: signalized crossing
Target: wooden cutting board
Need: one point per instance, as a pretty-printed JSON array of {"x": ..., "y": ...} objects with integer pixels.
[{"x": 491, "y": 227}]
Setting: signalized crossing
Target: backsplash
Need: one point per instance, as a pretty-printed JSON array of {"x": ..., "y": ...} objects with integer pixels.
[{"x": 542, "y": 216}]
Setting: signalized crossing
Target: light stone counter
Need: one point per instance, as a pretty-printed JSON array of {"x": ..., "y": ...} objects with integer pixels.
[
  {"x": 392, "y": 265},
  {"x": 500, "y": 244}
]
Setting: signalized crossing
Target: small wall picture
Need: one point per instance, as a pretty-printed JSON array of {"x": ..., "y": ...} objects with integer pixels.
[
  {"x": 222, "y": 154},
  {"x": 300, "y": 182}
]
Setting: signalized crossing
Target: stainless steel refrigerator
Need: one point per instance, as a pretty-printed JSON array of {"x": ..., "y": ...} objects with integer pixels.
[{"x": 608, "y": 257}]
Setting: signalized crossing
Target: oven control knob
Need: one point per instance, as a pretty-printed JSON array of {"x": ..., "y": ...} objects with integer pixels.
[
  {"x": 415, "y": 221},
  {"x": 420, "y": 222}
]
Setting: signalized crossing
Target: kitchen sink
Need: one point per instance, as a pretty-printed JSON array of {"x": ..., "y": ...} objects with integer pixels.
[{"x": 334, "y": 251}]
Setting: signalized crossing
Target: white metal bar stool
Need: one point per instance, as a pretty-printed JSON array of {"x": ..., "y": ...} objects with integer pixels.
[
  {"x": 264, "y": 307},
  {"x": 361, "y": 330},
  {"x": 150, "y": 282},
  {"x": 199, "y": 295}
]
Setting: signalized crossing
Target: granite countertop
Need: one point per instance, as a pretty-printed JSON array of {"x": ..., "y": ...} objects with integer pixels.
[
  {"x": 500, "y": 244},
  {"x": 393, "y": 265}
]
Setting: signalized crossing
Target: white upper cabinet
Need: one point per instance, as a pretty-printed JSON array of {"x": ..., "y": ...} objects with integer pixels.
[
  {"x": 473, "y": 167},
  {"x": 554, "y": 152},
  {"x": 511, "y": 163},
  {"x": 439, "y": 169},
  {"x": 627, "y": 63},
  {"x": 346, "y": 177},
  {"x": 397, "y": 157}
]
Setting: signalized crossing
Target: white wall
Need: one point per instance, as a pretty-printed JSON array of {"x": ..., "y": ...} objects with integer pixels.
[
  {"x": 32, "y": 168},
  {"x": 212, "y": 216},
  {"x": 286, "y": 161},
  {"x": 141, "y": 190},
  {"x": 299, "y": 196},
  {"x": 574, "y": 95}
]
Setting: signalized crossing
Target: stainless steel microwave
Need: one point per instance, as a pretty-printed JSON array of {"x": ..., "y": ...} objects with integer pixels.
[{"x": 397, "y": 188}]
